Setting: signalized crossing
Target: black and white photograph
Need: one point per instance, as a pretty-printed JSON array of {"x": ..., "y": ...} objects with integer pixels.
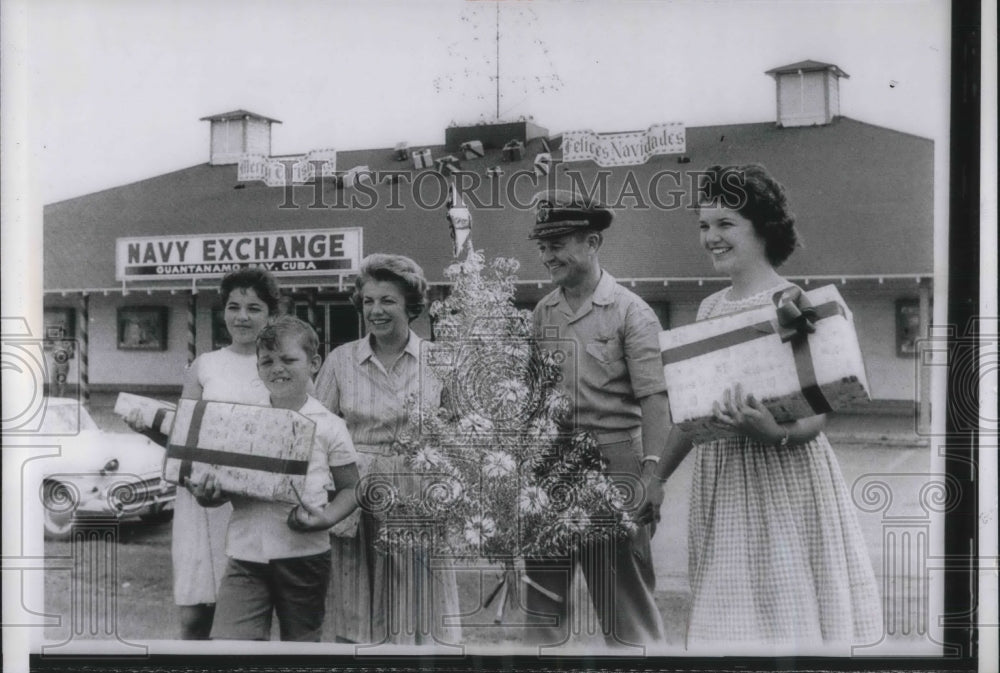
[{"x": 588, "y": 334}]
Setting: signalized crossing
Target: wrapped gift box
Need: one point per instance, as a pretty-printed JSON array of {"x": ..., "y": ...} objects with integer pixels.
[
  {"x": 543, "y": 164},
  {"x": 357, "y": 176},
  {"x": 473, "y": 149},
  {"x": 422, "y": 158},
  {"x": 795, "y": 373},
  {"x": 155, "y": 414},
  {"x": 446, "y": 165},
  {"x": 401, "y": 151},
  {"x": 259, "y": 452},
  {"x": 513, "y": 151}
]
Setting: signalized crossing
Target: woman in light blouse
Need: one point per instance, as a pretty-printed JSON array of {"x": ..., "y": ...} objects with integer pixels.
[{"x": 397, "y": 596}]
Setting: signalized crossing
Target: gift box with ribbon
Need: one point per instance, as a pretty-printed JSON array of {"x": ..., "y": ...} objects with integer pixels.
[
  {"x": 422, "y": 158},
  {"x": 400, "y": 152},
  {"x": 357, "y": 176},
  {"x": 799, "y": 356},
  {"x": 259, "y": 452},
  {"x": 472, "y": 149},
  {"x": 446, "y": 165},
  {"x": 513, "y": 151},
  {"x": 543, "y": 164},
  {"x": 155, "y": 414}
]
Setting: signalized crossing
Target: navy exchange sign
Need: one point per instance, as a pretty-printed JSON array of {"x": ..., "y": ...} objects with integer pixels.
[{"x": 310, "y": 252}]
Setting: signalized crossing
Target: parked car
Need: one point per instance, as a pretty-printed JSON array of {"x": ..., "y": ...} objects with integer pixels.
[{"x": 98, "y": 473}]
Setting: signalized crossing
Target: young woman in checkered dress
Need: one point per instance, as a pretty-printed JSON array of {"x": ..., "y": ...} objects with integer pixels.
[{"x": 776, "y": 553}]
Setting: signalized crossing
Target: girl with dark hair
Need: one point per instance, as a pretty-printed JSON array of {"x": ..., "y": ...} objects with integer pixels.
[{"x": 250, "y": 297}]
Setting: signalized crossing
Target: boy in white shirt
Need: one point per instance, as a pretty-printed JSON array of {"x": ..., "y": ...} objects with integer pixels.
[{"x": 279, "y": 554}]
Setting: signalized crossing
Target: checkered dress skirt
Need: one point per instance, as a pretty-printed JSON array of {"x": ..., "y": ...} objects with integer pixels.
[{"x": 776, "y": 554}]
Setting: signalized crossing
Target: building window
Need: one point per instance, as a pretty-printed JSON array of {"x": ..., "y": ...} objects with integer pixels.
[
  {"x": 142, "y": 328},
  {"x": 336, "y": 322},
  {"x": 60, "y": 327},
  {"x": 662, "y": 311}
]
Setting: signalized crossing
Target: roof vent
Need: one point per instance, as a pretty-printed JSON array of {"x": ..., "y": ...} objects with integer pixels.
[
  {"x": 808, "y": 93},
  {"x": 237, "y": 133}
]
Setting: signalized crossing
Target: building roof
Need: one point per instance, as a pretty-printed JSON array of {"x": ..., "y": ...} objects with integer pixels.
[
  {"x": 237, "y": 114},
  {"x": 863, "y": 196},
  {"x": 808, "y": 66}
]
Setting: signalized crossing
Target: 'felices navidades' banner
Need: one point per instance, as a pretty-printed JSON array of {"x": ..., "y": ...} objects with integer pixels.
[
  {"x": 311, "y": 252},
  {"x": 624, "y": 149}
]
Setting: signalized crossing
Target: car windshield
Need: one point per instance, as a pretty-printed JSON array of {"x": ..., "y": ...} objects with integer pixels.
[{"x": 63, "y": 418}]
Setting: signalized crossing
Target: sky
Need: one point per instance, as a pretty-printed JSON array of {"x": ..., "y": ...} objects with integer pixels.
[{"x": 114, "y": 90}]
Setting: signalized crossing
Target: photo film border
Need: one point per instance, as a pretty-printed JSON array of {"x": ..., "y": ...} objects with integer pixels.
[{"x": 961, "y": 453}]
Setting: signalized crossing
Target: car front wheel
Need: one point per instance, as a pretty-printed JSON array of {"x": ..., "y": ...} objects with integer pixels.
[{"x": 59, "y": 501}]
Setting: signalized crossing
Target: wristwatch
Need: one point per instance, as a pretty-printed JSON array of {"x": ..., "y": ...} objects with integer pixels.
[{"x": 784, "y": 440}]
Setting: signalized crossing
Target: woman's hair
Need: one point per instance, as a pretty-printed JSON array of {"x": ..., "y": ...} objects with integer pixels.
[
  {"x": 257, "y": 279},
  {"x": 751, "y": 191},
  {"x": 402, "y": 271},
  {"x": 288, "y": 326}
]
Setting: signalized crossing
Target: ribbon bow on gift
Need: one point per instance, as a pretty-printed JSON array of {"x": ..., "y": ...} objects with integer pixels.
[
  {"x": 796, "y": 321},
  {"x": 796, "y": 314}
]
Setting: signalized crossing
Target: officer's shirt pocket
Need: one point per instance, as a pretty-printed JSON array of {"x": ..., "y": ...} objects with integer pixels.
[{"x": 608, "y": 357}]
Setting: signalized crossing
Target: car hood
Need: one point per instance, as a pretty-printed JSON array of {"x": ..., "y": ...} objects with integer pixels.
[{"x": 89, "y": 451}]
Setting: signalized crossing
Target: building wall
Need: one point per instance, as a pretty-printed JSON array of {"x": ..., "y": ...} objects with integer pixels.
[
  {"x": 803, "y": 99},
  {"x": 111, "y": 367},
  {"x": 833, "y": 95},
  {"x": 227, "y": 141},
  {"x": 258, "y": 137},
  {"x": 891, "y": 377}
]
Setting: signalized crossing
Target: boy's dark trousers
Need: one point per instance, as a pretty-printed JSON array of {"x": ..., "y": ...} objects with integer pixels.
[{"x": 293, "y": 588}]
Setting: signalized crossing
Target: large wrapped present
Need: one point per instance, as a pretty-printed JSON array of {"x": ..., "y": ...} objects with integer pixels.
[
  {"x": 543, "y": 164},
  {"x": 472, "y": 149},
  {"x": 155, "y": 414},
  {"x": 447, "y": 165},
  {"x": 359, "y": 175},
  {"x": 799, "y": 356},
  {"x": 422, "y": 158},
  {"x": 259, "y": 452},
  {"x": 513, "y": 151}
]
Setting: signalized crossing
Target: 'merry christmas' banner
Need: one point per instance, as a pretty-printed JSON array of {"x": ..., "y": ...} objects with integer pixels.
[
  {"x": 624, "y": 149},
  {"x": 280, "y": 171}
]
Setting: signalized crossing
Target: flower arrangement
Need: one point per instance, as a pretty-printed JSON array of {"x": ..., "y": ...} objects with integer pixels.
[{"x": 495, "y": 474}]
